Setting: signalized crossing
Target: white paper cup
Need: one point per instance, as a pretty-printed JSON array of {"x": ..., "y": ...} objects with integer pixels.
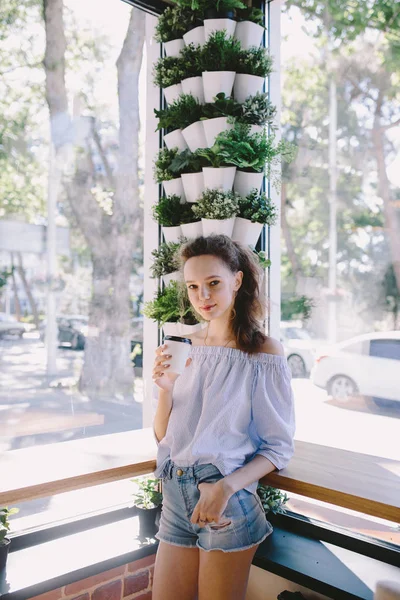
[{"x": 179, "y": 349}]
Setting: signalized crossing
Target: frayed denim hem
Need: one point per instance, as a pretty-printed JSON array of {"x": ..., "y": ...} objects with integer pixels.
[
  {"x": 166, "y": 541},
  {"x": 236, "y": 549}
]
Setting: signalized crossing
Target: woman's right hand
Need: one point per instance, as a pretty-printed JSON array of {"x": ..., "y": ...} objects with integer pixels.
[{"x": 161, "y": 377}]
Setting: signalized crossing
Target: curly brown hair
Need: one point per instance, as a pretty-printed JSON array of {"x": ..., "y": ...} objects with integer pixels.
[{"x": 250, "y": 306}]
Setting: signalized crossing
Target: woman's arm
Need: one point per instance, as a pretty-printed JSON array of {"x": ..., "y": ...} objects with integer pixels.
[
  {"x": 254, "y": 470},
  {"x": 162, "y": 415}
]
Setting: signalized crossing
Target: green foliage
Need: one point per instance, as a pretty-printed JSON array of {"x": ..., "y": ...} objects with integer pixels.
[
  {"x": 272, "y": 499},
  {"x": 391, "y": 294},
  {"x": 165, "y": 260},
  {"x": 190, "y": 60},
  {"x": 167, "y": 211},
  {"x": 368, "y": 218},
  {"x": 4, "y": 275},
  {"x": 5, "y": 514},
  {"x": 147, "y": 495},
  {"x": 172, "y": 24},
  {"x": 297, "y": 307},
  {"x": 170, "y": 306},
  {"x": 264, "y": 261},
  {"x": 187, "y": 162},
  {"x": 203, "y": 5},
  {"x": 220, "y": 53},
  {"x": 168, "y": 71},
  {"x": 179, "y": 114},
  {"x": 162, "y": 165},
  {"x": 255, "y": 15},
  {"x": 216, "y": 204},
  {"x": 257, "y": 110},
  {"x": 222, "y": 107},
  {"x": 258, "y": 208},
  {"x": 255, "y": 61},
  {"x": 187, "y": 215}
]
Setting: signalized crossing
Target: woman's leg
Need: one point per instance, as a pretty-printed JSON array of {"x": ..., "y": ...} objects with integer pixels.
[
  {"x": 224, "y": 575},
  {"x": 176, "y": 573}
]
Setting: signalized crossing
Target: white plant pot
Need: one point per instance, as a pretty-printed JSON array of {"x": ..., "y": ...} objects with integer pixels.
[
  {"x": 193, "y": 184},
  {"x": 172, "y": 234},
  {"x": 212, "y": 25},
  {"x": 249, "y": 34},
  {"x": 213, "y": 127},
  {"x": 194, "y": 136},
  {"x": 175, "y": 276},
  {"x": 246, "y": 86},
  {"x": 256, "y": 129},
  {"x": 246, "y": 182},
  {"x": 189, "y": 329},
  {"x": 194, "y": 86},
  {"x": 171, "y": 328},
  {"x": 174, "y": 186},
  {"x": 215, "y": 82},
  {"x": 174, "y": 47},
  {"x": 175, "y": 139},
  {"x": 191, "y": 231},
  {"x": 246, "y": 232},
  {"x": 218, "y": 226},
  {"x": 195, "y": 36},
  {"x": 172, "y": 92},
  {"x": 219, "y": 179}
]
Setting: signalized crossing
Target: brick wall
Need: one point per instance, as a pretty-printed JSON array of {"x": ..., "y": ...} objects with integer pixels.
[{"x": 128, "y": 582}]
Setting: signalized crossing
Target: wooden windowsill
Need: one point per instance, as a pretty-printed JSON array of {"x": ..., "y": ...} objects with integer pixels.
[{"x": 360, "y": 482}]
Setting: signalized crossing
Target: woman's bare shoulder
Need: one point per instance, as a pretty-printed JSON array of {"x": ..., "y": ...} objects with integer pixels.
[{"x": 272, "y": 346}]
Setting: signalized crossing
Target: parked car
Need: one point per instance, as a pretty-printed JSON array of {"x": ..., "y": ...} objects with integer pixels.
[
  {"x": 299, "y": 346},
  {"x": 72, "y": 331},
  {"x": 10, "y": 326},
  {"x": 367, "y": 364}
]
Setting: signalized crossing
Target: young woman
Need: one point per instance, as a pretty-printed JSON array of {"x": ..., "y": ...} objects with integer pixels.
[{"x": 227, "y": 421}]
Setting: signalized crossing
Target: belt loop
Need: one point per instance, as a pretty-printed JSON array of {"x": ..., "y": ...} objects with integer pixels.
[{"x": 170, "y": 469}]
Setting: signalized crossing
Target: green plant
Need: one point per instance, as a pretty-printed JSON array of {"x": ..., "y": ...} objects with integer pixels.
[
  {"x": 164, "y": 260},
  {"x": 187, "y": 162},
  {"x": 272, "y": 499},
  {"x": 168, "y": 71},
  {"x": 255, "y": 61},
  {"x": 257, "y": 110},
  {"x": 221, "y": 107},
  {"x": 258, "y": 208},
  {"x": 147, "y": 495},
  {"x": 5, "y": 513},
  {"x": 216, "y": 204},
  {"x": 247, "y": 152},
  {"x": 220, "y": 53},
  {"x": 170, "y": 305},
  {"x": 167, "y": 211},
  {"x": 255, "y": 15},
  {"x": 297, "y": 307},
  {"x": 179, "y": 114},
  {"x": 264, "y": 261},
  {"x": 172, "y": 24},
  {"x": 162, "y": 165},
  {"x": 203, "y": 5},
  {"x": 190, "y": 58},
  {"x": 187, "y": 215}
]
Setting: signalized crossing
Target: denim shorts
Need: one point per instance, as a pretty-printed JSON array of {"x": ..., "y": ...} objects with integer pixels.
[{"x": 248, "y": 524}]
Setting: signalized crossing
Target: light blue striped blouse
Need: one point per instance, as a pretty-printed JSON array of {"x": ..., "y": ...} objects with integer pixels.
[{"x": 229, "y": 406}]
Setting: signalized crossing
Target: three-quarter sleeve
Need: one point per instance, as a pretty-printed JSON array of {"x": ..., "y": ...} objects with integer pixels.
[{"x": 273, "y": 419}]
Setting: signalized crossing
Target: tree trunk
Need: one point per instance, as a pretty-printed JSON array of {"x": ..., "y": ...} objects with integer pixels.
[
  {"x": 17, "y": 304},
  {"x": 28, "y": 291}
]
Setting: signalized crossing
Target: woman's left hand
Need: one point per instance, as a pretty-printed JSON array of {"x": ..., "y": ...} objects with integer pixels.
[{"x": 213, "y": 500}]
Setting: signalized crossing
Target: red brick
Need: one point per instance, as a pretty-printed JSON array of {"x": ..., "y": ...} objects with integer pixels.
[
  {"x": 142, "y": 563},
  {"x": 90, "y": 582},
  {"x": 146, "y": 596},
  {"x": 81, "y": 597},
  {"x": 110, "y": 591},
  {"x": 136, "y": 583},
  {"x": 52, "y": 595},
  {"x": 151, "y": 571}
]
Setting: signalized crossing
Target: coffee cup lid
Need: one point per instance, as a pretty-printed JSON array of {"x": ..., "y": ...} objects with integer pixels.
[{"x": 176, "y": 338}]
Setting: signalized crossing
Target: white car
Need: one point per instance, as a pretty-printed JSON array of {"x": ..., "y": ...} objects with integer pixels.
[
  {"x": 10, "y": 326},
  {"x": 367, "y": 365},
  {"x": 299, "y": 346}
]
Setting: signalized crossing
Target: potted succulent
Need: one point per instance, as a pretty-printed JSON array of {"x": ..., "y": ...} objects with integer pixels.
[
  {"x": 253, "y": 66},
  {"x": 220, "y": 16},
  {"x": 168, "y": 74},
  {"x": 255, "y": 211},
  {"x": 219, "y": 116},
  {"x": 147, "y": 502},
  {"x": 258, "y": 112},
  {"x": 191, "y": 226},
  {"x": 170, "y": 28},
  {"x": 217, "y": 210},
  {"x": 189, "y": 166},
  {"x": 167, "y": 213},
  {"x": 165, "y": 262},
  {"x": 5, "y": 542},
  {"x": 250, "y": 27},
  {"x": 171, "y": 182},
  {"x": 272, "y": 500},
  {"x": 218, "y": 61},
  {"x": 172, "y": 310},
  {"x": 192, "y": 82},
  {"x": 218, "y": 174},
  {"x": 178, "y": 116}
]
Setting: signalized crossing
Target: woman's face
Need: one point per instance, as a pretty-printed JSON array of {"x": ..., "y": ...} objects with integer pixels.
[{"x": 211, "y": 285}]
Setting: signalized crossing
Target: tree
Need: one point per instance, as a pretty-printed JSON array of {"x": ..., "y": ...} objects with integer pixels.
[{"x": 106, "y": 218}]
